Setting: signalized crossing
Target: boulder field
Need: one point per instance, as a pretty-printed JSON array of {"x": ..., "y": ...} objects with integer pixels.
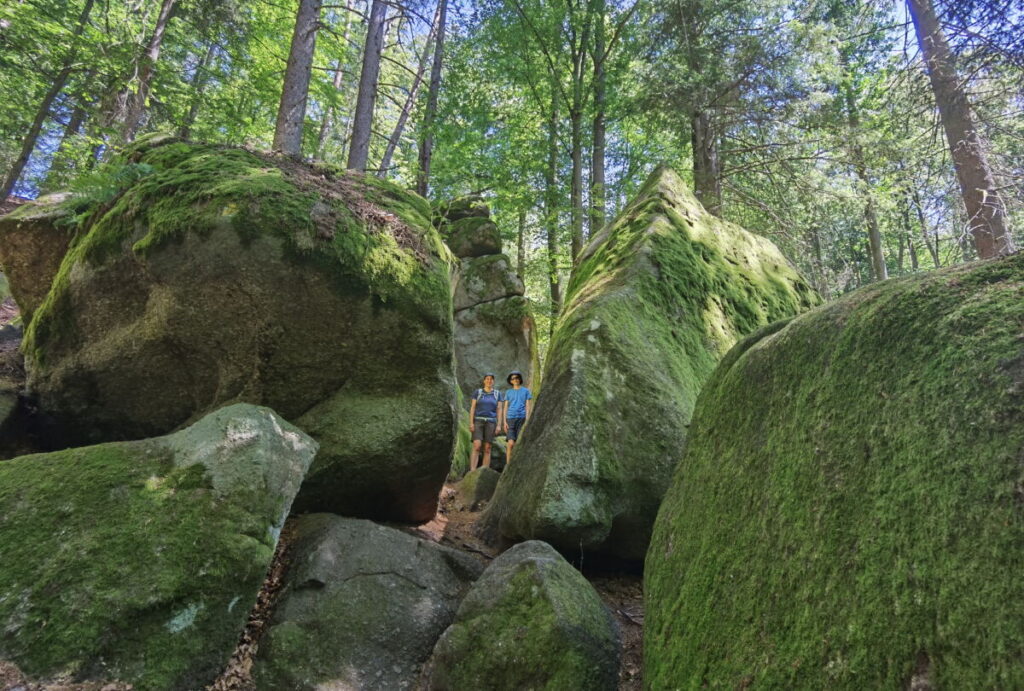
[
  {"x": 849, "y": 512},
  {"x": 219, "y": 275},
  {"x": 140, "y": 561},
  {"x": 655, "y": 300}
]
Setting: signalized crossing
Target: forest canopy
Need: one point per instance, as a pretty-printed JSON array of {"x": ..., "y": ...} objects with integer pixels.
[{"x": 868, "y": 139}]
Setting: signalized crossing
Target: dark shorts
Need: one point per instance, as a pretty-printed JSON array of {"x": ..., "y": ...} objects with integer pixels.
[
  {"x": 514, "y": 425},
  {"x": 483, "y": 430}
]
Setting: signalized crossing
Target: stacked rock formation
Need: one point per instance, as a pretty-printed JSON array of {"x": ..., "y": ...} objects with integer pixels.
[
  {"x": 494, "y": 329},
  {"x": 654, "y": 301}
]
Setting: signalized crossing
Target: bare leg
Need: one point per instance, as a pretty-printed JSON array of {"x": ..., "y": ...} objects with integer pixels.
[
  {"x": 475, "y": 455},
  {"x": 508, "y": 451},
  {"x": 487, "y": 454}
]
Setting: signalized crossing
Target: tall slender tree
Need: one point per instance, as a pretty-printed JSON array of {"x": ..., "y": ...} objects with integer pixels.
[
  {"x": 986, "y": 212},
  {"x": 366, "y": 100},
  {"x": 291, "y": 114},
  {"x": 136, "y": 101},
  {"x": 430, "y": 113}
]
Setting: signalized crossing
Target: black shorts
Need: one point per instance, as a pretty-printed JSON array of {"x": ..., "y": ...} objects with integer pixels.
[
  {"x": 515, "y": 424},
  {"x": 483, "y": 429}
]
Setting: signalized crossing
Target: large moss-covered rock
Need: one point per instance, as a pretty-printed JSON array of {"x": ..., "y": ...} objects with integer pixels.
[
  {"x": 473, "y": 236},
  {"x": 531, "y": 621},
  {"x": 362, "y": 607},
  {"x": 223, "y": 275},
  {"x": 139, "y": 561},
  {"x": 849, "y": 512},
  {"x": 655, "y": 300},
  {"x": 495, "y": 337},
  {"x": 33, "y": 241},
  {"x": 485, "y": 279}
]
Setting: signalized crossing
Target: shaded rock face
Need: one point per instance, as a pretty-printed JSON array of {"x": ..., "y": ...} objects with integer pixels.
[
  {"x": 477, "y": 488},
  {"x": 531, "y": 621},
  {"x": 362, "y": 608},
  {"x": 494, "y": 328},
  {"x": 139, "y": 561},
  {"x": 655, "y": 300},
  {"x": 33, "y": 241},
  {"x": 224, "y": 275},
  {"x": 850, "y": 498}
]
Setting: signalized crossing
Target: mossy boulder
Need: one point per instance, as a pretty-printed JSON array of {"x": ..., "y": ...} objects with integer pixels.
[
  {"x": 219, "y": 275},
  {"x": 849, "y": 512},
  {"x": 33, "y": 241},
  {"x": 485, "y": 279},
  {"x": 139, "y": 561},
  {"x": 477, "y": 488},
  {"x": 496, "y": 337},
  {"x": 653, "y": 303},
  {"x": 474, "y": 236},
  {"x": 362, "y": 607},
  {"x": 531, "y": 621},
  {"x": 469, "y": 206}
]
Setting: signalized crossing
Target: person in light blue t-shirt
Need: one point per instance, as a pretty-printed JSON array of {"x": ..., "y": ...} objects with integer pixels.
[{"x": 515, "y": 411}]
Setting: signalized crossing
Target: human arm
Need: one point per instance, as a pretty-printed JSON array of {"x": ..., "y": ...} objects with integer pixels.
[{"x": 472, "y": 415}]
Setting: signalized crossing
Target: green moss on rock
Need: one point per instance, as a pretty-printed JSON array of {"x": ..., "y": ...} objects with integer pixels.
[
  {"x": 848, "y": 511},
  {"x": 655, "y": 300},
  {"x": 473, "y": 237},
  {"x": 228, "y": 275},
  {"x": 531, "y": 621},
  {"x": 139, "y": 561}
]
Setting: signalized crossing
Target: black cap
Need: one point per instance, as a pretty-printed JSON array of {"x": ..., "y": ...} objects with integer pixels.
[{"x": 508, "y": 379}]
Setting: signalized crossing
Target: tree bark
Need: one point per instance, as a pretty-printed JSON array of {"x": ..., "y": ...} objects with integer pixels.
[
  {"x": 551, "y": 208},
  {"x": 366, "y": 100},
  {"x": 291, "y": 113},
  {"x": 136, "y": 102},
  {"x": 576, "y": 190},
  {"x": 199, "y": 82},
  {"x": 396, "y": 134},
  {"x": 521, "y": 246},
  {"x": 707, "y": 175},
  {"x": 430, "y": 114},
  {"x": 28, "y": 144},
  {"x": 878, "y": 267},
  {"x": 986, "y": 212},
  {"x": 597, "y": 168}
]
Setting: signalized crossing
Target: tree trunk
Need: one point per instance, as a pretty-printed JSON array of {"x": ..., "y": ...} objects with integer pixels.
[
  {"x": 28, "y": 144},
  {"x": 199, "y": 82},
  {"x": 521, "y": 246},
  {"x": 878, "y": 268},
  {"x": 396, "y": 134},
  {"x": 597, "y": 176},
  {"x": 136, "y": 102},
  {"x": 430, "y": 114},
  {"x": 291, "y": 113},
  {"x": 985, "y": 210},
  {"x": 362, "y": 122},
  {"x": 551, "y": 208},
  {"x": 933, "y": 251},
  {"x": 63, "y": 158},
  {"x": 576, "y": 193},
  {"x": 707, "y": 178}
]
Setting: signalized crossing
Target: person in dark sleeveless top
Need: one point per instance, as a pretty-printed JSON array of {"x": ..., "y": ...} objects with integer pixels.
[{"x": 483, "y": 420}]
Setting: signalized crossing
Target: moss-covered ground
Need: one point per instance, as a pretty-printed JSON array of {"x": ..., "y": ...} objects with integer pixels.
[{"x": 849, "y": 512}]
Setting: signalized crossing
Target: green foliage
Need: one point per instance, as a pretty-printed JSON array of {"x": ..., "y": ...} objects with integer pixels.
[{"x": 847, "y": 513}]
